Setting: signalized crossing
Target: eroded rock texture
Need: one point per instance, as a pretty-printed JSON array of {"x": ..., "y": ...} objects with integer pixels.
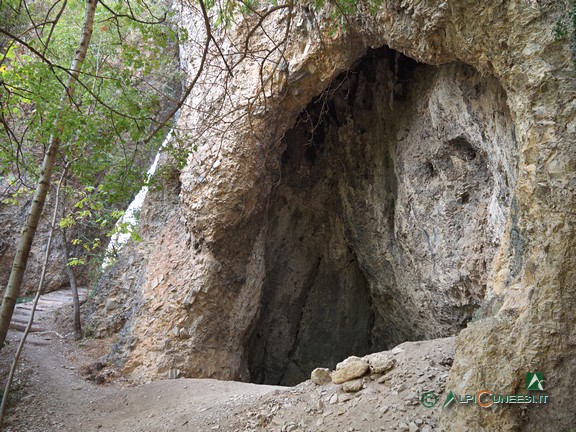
[
  {"x": 385, "y": 217},
  {"x": 351, "y": 212}
]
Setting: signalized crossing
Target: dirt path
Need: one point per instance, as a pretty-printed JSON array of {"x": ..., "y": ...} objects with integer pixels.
[
  {"x": 47, "y": 305},
  {"x": 48, "y": 387},
  {"x": 61, "y": 386},
  {"x": 57, "y": 390}
]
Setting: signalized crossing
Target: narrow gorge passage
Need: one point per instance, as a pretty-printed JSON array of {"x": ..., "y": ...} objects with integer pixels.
[{"x": 390, "y": 199}]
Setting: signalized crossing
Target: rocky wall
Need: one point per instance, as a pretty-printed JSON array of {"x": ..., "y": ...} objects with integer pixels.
[
  {"x": 425, "y": 196},
  {"x": 386, "y": 215}
]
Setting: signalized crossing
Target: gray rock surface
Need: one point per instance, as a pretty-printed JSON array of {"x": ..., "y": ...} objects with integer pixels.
[
  {"x": 320, "y": 376},
  {"x": 380, "y": 363},
  {"x": 397, "y": 201},
  {"x": 349, "y": 371}
]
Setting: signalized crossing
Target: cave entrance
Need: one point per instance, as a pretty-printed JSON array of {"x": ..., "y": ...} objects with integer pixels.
[{"x": 384, "y": 216}]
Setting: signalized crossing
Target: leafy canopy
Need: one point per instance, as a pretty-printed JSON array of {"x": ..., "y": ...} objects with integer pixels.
[{"x": 128, "y": 78}]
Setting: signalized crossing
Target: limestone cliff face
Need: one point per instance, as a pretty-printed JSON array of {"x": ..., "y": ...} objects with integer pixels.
[
  {"x": 408, "y": 178},
  {"x": 385, "y": 217}
]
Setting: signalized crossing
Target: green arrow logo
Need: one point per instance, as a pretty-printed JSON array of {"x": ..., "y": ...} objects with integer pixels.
[
  {"x": 535, "y": 381},
  {"x": 449, "y": 399}
]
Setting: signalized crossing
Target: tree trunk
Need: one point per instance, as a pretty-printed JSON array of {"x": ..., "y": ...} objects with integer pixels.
[
  {"x": 74, "y": 288},
  {"x": 70, "y": 271},
  {"x": 34, "y": 305},
  {"x": 29, "y": 230}
]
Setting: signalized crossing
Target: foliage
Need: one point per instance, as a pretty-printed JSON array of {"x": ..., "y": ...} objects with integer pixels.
[
  {"x": 111, "y": 113},
  {"x": 89, "y": 331},
  {"x": 338, "y": 11},
  {"x": 565, "y": 27},
  {"x": 130, "y": 70},
  {"x": 26, "y": 299},
  {"x": 125, "y": 84}
]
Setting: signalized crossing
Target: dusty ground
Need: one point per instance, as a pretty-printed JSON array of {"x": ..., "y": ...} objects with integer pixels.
[{"x": 60, "y": 386}]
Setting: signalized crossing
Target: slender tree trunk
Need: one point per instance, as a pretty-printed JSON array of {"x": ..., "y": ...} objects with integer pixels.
[
  {"x": 74, "y": 288},
  {"x": 34, "y": 305},
  {"x": 29, "y": 231},
  {"x": 70, "y": 271}
]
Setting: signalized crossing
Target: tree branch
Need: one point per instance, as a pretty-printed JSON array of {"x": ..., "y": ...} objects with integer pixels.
[
  {"x": 192, "y": 84},
  {"x": 131, "y": 16}
]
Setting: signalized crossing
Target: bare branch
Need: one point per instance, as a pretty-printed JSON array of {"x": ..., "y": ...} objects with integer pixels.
[
  {"x": 58, "y": 16},
  {"x": 131, "y": 16},
  {"x": 192, "y": 84},
  {"x": 27, "y": 45},
  {"x": 222, "y": 55},
  {"x": 259, "y": 25}
]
